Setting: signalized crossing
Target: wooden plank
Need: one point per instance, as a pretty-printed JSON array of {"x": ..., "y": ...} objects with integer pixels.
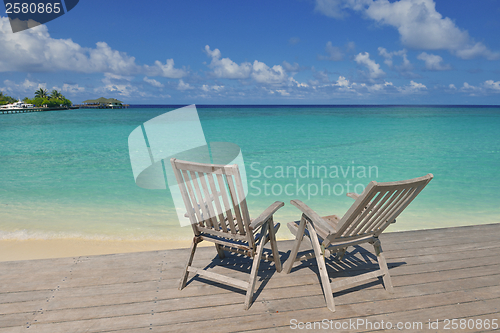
[
  {"x": 458, "y": 278},
  {"x": 219, "y": 277}
]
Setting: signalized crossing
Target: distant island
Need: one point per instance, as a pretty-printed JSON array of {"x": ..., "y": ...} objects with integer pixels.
[{"x": 102, "y": 103}]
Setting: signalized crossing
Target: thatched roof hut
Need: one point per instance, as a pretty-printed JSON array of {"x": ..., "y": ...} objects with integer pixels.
[{"x": 105, "y": 101}]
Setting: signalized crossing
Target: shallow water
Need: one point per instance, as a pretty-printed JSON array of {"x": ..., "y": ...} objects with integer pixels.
[{"x": 68, "y": 175}]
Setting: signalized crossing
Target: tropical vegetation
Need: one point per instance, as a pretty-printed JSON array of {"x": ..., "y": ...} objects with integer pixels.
[
  {"x": 4, "y": 99},
  {"x": 42, "y": 97}
]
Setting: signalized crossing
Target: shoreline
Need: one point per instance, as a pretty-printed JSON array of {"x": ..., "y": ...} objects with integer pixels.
[{"x": 35, "y": 249}]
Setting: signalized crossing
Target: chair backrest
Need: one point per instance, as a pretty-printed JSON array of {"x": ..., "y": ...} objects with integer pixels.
[
  {"x": 214, "y": 198},
  {"x": 377, "y": 207}
]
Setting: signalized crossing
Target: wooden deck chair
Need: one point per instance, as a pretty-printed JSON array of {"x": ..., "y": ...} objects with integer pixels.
[
  {"x": 372, "y": 212},
  {"x": 216, "y": 206}
]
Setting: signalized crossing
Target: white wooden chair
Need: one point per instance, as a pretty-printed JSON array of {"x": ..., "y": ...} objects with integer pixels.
[
  {"x": 216, "y": 206},
  {"x": 372, "y": 212}
]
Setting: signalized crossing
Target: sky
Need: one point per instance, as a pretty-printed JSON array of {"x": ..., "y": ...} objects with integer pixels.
[{"x": 261, "y": 52}]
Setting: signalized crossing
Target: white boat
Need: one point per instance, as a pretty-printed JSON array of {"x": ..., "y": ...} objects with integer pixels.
[{"x": 17, "y": 105}]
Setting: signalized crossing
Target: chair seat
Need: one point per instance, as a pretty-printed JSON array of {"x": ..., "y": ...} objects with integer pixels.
[
  {"x": 225, "y": 238},
  {"x": 332, "y": 220}
]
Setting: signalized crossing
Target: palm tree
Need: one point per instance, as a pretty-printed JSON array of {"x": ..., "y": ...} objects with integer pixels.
[
  {"x": 41, "y": 93},
  {"x": 56, "y": 95}
]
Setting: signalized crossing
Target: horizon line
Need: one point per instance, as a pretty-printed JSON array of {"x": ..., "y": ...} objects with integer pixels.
[{"x": 313, "y": 105}]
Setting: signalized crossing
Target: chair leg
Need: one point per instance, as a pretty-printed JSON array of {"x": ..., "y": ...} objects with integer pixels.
[
  {"x": 255, "y": 267},
  {"x": 296, "y": 245},
  {"x": 185, "y": 275},
  {"x": 323, "y": 273},
  {"x": 383, "y": 266},
  {"x": 274, "y": 246},
  {"x": 220, "y": 251},
  {"x": 340, "y": 254}
]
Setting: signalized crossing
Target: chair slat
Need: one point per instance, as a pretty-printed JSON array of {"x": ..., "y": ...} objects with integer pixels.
[
  {"x": 243, "y": 204},
  {"x": 377, "y": 210},
  {"x": 382, "y": 211},
  {"x": 210, "y": 198},
  {"x": 236, "y": 204},
  {"x": 194, "y": 202},
  {"x": 220, "y": 213},
  {"x": 227, "y": 206},
  {"x": 366, "y": 214},
  {"x": 386, "y": 216},
  {"x": 398, "y": 206},
  {"x": 200, "y": 167},
  {"x": 201, "y": 200},
  {"x": 185, "y": 198},
  {"x": 220, "y": 233}
]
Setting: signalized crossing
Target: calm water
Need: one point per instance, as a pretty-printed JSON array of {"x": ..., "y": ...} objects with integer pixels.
[{"x": 68, "y": 174}]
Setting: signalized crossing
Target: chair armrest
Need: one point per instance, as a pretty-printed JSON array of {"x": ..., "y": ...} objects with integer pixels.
[
  {"x": 315, "y": 218},
  {"x": 353, "y": 195},
  {"x": 256, "y": 223}
]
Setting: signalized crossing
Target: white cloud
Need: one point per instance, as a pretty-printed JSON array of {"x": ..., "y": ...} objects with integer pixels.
[
  {"x": 388, "y": 56},
  {"x": 293, "y": 82},
  {"x": 33, "y": 50},
  {"x": 379, "y": 87},
  {"x": 183, "y": 86},
  {"x": 470, "y": 89},
  {"x": 153, "y": 82},
  {"x": 25, "y": 87},
  {"x": 283, "y": 92},
  {"x": 291, "y": 68},
  {"x": 118, "y": 84},
  {"x": 343, "y": 82},
  {"x": 477, "y": 50},
  {"x": 417, "y": 86},
  {"x": 334, "y": 52},
  {"x": 331, "y": 8},
  {"x": 412, "y": 88},
  {"x": 167, "y": 70},
  {"x": 263, "y": 74},
  {"x": 72, "y": 88},
  {"x": 490, "y": 84},
  {"x": 226, "y": 68},
  {"x": 208, "y": 88},
  {"x": 419, "y": 25},
  {"x": 294, "y": 40},
  {"x": 374, "y": 71},
  {"x": 452, "y": 86},
  {"x": 433, "y": 62}
]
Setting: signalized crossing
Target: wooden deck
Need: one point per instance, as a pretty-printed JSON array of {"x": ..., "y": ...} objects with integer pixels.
[{"x": 439, "y": 274}]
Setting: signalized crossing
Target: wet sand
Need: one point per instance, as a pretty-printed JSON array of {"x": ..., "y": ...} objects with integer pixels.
[{"x": 11, "y": 250}]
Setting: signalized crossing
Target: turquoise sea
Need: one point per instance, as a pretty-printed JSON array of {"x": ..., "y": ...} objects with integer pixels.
[{"x": 68, "y": 174}]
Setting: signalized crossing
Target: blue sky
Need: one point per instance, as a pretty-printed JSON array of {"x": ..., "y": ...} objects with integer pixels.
[{"x": 261, "y": 52}]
